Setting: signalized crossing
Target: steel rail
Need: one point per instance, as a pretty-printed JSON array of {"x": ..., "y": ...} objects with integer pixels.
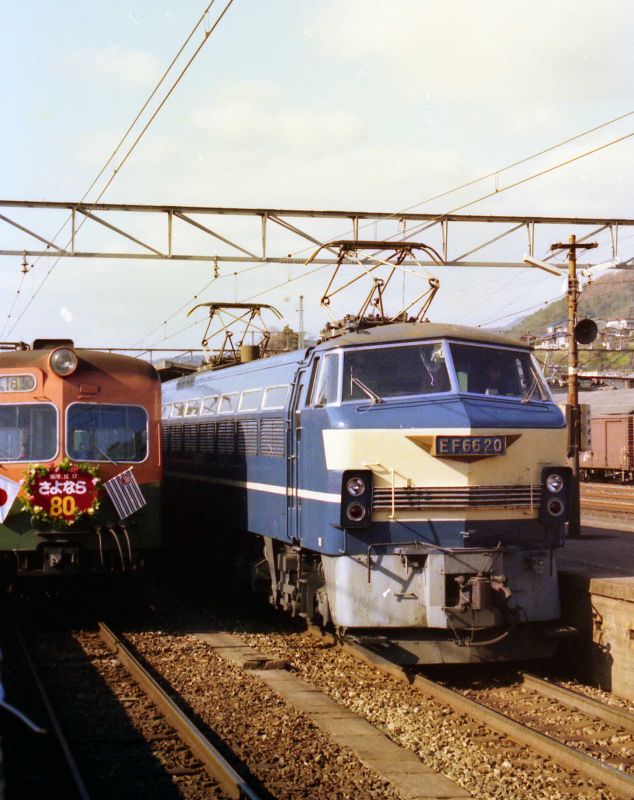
[
  {"x": 599, "y": 497},
  {"x": 71, "y": 764},
  {"x": 214, "y": 763},
  {"x": 619, "y": 717},
  {"x": 569, "y": 757},
  {"x": 607, "y": 505}
]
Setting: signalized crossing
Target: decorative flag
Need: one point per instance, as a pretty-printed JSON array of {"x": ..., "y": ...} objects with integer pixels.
[
  {"x": 125, "y": 494},
  {"x": 8, "y": 492}
]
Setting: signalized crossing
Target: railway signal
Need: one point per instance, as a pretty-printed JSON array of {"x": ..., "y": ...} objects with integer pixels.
[{"x": 575, "y": 333}]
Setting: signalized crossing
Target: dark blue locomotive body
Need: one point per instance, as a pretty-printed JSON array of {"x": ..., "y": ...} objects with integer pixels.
[{"x": 399, "y": 485}]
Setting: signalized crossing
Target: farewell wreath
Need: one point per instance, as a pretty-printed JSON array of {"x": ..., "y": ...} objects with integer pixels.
[{"x": 61, "y": 494}]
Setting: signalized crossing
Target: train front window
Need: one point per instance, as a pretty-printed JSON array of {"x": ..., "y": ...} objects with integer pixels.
[
  {"x": 28, "y": 432},
  {"x": 498, "y": 371},
  {"x": 380, "y": 372},
  {"x": 100, "y": 432}
]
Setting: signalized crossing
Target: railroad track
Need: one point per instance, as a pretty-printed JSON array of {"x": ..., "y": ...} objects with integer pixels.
[
  {"x": 579, "y": 733},
  {"x": 39, "y": 757},
  {"x": 231, "y": 783},
  {"x": 119, "y": 733},
  {"x": 607, "y": 498}
]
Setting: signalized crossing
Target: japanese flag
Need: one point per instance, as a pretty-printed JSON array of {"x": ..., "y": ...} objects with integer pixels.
[{"x": 8, "y": 492}]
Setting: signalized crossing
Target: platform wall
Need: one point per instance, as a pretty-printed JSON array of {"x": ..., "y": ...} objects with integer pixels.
[{"x": 602, "y": 609}]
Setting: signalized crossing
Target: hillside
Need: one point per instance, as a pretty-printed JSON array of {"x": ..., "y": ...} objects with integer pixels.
[{"x": 609, "y": 297}]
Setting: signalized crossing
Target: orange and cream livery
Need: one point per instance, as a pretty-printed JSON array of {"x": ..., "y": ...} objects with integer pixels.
[{"x": 80, "y": 466}]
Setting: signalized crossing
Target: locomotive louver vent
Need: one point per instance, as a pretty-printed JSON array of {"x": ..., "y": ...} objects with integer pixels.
[{"x": 419, "y": 497}]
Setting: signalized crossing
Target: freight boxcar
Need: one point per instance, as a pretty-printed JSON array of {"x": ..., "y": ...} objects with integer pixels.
[{"x": 612, "y": 453}]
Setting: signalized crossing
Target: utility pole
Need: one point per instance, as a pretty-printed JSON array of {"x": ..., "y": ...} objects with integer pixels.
[
  {"x": 300, "y": 336},
  {"x": 573, "y": 415}
]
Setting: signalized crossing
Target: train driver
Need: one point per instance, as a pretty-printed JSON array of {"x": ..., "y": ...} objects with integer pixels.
[{"x": 493, "y": 380}]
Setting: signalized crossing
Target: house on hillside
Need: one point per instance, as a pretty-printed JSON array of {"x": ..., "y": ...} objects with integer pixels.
[
  {"x": 618, "y": 333},
  {"x": 555, "y": 337}
]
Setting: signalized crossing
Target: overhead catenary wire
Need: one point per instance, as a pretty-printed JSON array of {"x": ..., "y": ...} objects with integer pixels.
[
  {"x": 497, "y": 191},
  {"x": 427, "y": 200},
  {"x": 515, "y": 184},
  {"x": 494, "y": 173},
  {"x": 207, "y": 34}
]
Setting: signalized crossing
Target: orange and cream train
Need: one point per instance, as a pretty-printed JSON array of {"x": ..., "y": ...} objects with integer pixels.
[{"x": 80, "y": 464}]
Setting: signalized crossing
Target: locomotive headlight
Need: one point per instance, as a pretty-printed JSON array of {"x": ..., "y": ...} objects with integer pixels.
[
  {"x": 355, "y": 486},
  {"x": 554, "y": 482},
  {"x": 356, "y": 498},
  {"x": 555, "y": 503},
  {"x": 555, "y": 507},
  {"x": 355, "y": 512},
  {"x": 63, "y": 361}
]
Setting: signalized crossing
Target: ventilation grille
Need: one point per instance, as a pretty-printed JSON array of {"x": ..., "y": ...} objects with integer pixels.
[
  {"x": 207, "y": 437},
  {"x": 272, "y": 437},
  {"x": 421, "y": 497},
  {"x": 225, "y": 439},
  {"x": 248, "y": 437}
]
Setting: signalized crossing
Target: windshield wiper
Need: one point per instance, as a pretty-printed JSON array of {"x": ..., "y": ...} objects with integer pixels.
[
  {"x": 531, "y": 389},
  {"x": 374, "y": 397}
]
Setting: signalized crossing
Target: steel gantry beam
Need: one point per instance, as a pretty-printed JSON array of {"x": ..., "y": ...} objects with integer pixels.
[{"x": 284, "y": 236}]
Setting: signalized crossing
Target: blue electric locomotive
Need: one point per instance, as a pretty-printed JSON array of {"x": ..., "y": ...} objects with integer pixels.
[{"x": 407, "y": 482}]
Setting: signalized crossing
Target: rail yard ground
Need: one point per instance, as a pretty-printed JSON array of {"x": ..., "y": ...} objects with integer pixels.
[{"x": 301, "y": 717}]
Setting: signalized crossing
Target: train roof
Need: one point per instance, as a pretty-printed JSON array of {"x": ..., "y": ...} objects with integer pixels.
[
  {"x": 109, "y": 363},
  {"x": 407, "y": 331},
  {"x": 603, "y": 402}
]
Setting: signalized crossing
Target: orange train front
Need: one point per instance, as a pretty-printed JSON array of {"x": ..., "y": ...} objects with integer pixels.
[{"x": 80, "y": 468}]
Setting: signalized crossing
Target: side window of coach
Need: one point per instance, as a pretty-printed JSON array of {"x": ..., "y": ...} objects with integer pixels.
[
  {"x": 250, "y": 400},
  {"x": 178, "y": 409},
  {"x": 193, "y": 408},
  {"x": 209, "y": 404},
  {"x": 228, "y": 403},
  {"x": 275, "y": 396}
]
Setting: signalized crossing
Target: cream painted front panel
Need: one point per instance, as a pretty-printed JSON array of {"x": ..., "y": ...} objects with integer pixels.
[{"x": 389, "y": 452}]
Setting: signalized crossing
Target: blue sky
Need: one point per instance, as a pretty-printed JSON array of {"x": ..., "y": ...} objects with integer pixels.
[{"x": 345, "y": 104}]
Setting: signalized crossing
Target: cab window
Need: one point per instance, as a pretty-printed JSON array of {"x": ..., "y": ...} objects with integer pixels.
[
  {"x": 100, "y": 432},
  {"x": 28, "y": 432},
  {"x": 327, "y": 389},
  {"x": 498, "y": 371},
  {"x": 379, "y": 372}
]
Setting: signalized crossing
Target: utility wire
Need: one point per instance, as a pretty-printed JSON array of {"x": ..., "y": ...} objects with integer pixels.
[
  {"x": 492, "y": 174},
  {"x": 513, "y": 185},
  {"x": 430, "y": 199},
  {"x": 117, "y": 169}
]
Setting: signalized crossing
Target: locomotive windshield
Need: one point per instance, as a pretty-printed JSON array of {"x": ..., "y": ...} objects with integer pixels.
[
  {"x": 378, "y": 373},
  {"x": 99, "y": 432},
  {"x": 394, "y": 371},
  {"x": 28, "y": 432},
  {"x": 497, "y": 371}
]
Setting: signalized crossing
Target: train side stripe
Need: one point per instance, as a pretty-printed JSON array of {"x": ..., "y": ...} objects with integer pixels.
[{"x": 270, "y": 488}]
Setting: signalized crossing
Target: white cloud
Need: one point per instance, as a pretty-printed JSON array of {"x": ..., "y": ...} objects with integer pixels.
[
  {"x": 492, "y": 50},
  {"x": 127, "y": 68},
  {"x": 253, "y": 120}
]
